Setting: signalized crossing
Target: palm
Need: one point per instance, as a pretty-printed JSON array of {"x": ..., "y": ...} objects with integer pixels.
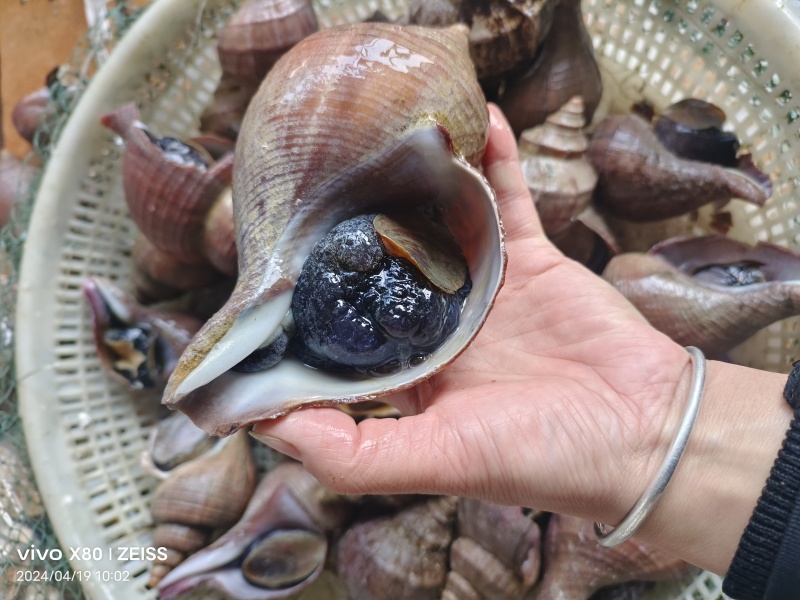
[{"x": 563, "y": 390}]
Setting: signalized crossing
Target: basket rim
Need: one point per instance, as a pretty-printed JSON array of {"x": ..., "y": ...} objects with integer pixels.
[{"x": 113, "y": 84}]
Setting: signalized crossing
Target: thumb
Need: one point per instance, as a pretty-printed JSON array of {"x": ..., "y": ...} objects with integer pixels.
[
  {"x": 502, "y": 169},
  {"x": 376, "y": 456}
]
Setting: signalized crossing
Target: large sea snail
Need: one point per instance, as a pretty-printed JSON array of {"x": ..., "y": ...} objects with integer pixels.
[
  {"x": 710, "y": 292},
  {"x": 364, "y": 119}
]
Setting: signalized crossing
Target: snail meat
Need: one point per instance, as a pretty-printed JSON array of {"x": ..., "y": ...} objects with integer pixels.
[
  {"x": 179, "y": 152},
  {"x": 347, "y": 112},
  {"x": 357, "y": 307},
  {"x": 139, "y": 346},
  {"x": 692, "y": 129},
  {"x": 736, "y": 274}
]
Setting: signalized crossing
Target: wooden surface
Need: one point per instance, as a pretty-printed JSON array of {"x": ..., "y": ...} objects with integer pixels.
[{"x": 35, "y": 37}]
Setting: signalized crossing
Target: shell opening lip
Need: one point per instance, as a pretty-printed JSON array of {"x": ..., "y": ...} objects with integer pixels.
[
  {"x": 692, "y": 254},
  {"x": 475, "y": 223},
  {"x": 221, "y": 401}
]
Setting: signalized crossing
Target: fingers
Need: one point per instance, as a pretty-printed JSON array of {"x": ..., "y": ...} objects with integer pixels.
[
  {"x": 375, "y": 456},
  {"x": 502, "y": 170}
]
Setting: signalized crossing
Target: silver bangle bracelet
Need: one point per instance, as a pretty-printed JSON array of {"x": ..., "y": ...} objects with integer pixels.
[{"x": 648, "y": 500}]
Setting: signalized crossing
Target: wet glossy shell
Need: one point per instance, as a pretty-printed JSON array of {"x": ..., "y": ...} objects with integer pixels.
[
  {"x": 351, "y": 120},
  {"x": 260, "y": 33},
  {"x": 168, "y": 201}
]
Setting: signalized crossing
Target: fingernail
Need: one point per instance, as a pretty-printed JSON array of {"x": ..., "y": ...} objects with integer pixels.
[{"x": 278, "y": 445}]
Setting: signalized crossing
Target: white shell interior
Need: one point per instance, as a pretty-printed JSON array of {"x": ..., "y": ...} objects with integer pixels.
[{"x": 232, "y": 399}]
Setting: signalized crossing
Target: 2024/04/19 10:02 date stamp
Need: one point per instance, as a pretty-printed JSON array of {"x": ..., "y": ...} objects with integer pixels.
[{"x": 88, "y": 555}]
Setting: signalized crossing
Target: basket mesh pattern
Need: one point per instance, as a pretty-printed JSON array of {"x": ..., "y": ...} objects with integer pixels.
[
  {"x": 663, "y": 51},
  {"x": 667, "y": 51}
]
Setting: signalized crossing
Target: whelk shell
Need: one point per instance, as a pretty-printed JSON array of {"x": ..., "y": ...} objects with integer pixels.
[
  {"x": 170, "y": 200},
  {"x": 200, "y": 496},
  {"x": 576, "y": 565},
  {"x": 277, "y": 548},
  {"x": 301, "y": 170},
  {"x": 403, "y": 556},
  {"x": 711, "y": 292},
  {"x": 565, "y": 67},
  {"x": 641, "y": 180},
  {"x": 262, "y": 31},
  {"x": 139, "y": 346},
  {"x": 558, "y": 175}
]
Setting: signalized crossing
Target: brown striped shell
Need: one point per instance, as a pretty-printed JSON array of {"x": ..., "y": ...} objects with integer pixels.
[
  {"x": 710, "y": 292},
  {"x": 576, "y": 565},
  {"x": 169, "y": 202},
  {"x": 352, "y": 119},
  {"x": 290, "y": 514},
  {"x": 260, "y": 33},
  {"x": 200, "y": 496}
]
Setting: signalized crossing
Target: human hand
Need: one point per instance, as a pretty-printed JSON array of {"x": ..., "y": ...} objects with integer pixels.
[{"x": 563, "y": 402}]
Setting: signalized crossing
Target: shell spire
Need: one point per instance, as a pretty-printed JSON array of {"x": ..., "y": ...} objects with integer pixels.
[{"x": 559, "y": 176}]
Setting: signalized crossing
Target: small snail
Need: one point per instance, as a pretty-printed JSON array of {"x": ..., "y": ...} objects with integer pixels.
[
  {"x": 710, "y": 292},
  {"x": 139, "y": 346}
]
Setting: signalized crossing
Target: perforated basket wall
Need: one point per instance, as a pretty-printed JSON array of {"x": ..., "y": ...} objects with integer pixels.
[{"x": 85, "y": 433}]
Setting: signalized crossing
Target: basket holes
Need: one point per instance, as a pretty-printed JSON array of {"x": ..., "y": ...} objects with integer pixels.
[
  {"x": 660, "y": 36},
  {"x": 735, "y": 39}
]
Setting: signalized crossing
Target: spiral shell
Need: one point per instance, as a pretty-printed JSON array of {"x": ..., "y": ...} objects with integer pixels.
[
  {"x": 200, "y": 496},
  {"x": 403, "y": 557},
  {"x": 503, "y": 34},
  {"x": 261, "y": 32},
  {"x": 497, "y": 554},
  {"x": 169, "y": 202},
  {"x": 300, "y": 170},
  {"x": 710, "y": 292},
  {"x": 577, "y": 565},
  {"x": 559, "y": 176},
  {"x": 566, "y": 67},
  {"x": 277, "y": 548},
  {"x": 138, "y": 346},
  {"x": 641, "y": 180}
]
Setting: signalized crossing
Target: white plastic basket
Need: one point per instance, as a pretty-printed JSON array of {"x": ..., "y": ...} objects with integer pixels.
[{"x": 85, "y": 432}]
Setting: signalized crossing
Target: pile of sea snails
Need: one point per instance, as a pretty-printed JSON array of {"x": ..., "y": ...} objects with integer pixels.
[{"x": 328, "y": 239}]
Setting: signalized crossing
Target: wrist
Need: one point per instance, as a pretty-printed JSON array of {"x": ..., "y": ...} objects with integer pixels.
[{"x": 739, "y": 430}]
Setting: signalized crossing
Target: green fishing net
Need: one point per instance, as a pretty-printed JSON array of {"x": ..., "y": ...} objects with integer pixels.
[{"x": 44, "y": 574}]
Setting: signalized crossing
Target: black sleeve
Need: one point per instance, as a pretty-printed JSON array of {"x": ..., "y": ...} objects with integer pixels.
[{"x": 767, "y": 562}]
